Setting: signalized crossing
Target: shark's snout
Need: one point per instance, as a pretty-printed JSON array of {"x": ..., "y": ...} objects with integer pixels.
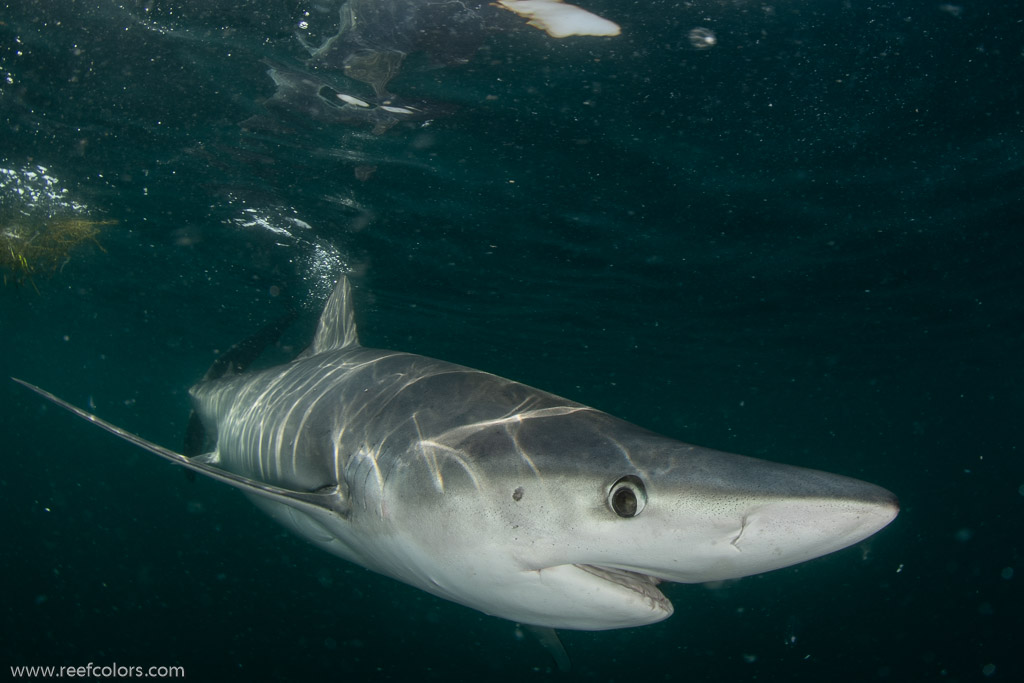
[
  {"x": 779, "y": 533},
  {"x": 726, "y": 525}
]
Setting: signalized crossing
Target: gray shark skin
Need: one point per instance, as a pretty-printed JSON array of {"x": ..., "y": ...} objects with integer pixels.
[{"x": 499, "y": 496}]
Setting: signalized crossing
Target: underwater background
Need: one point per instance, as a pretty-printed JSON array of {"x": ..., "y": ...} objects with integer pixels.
[{"x": 790, "y": 230}]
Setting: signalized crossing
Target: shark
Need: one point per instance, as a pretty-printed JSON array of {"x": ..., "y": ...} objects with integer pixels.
[{"x": 495, "y": 495}]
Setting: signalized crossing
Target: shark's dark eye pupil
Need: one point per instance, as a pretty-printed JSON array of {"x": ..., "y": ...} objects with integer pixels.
[
  {"x": 624, "y": 502},
  {"x": 627, "y": 496}
]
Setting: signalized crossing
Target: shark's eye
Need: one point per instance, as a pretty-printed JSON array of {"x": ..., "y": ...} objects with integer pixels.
[{"x": 627, "y": 496}]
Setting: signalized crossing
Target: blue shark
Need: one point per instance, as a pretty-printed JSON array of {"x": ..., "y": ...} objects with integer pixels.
[{"x": 498, "y": 496}]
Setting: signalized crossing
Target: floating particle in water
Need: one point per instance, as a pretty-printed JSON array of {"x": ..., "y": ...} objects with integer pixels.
[
  {"x": 702, "y": 38},
  {"x": 988, "y": 669},
  {"x": 325, "y": 578},
  {"x": 964, "y": 535},
  {"x": 1007, "y": 573}
]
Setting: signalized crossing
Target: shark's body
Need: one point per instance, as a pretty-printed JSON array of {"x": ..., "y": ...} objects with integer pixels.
[{"x": 502, "y": 497}]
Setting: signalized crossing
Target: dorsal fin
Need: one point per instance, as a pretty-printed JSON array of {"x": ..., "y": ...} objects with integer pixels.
[{"x": 337, "y": 327}]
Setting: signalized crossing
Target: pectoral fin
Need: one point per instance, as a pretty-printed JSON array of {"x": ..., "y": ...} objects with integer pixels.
[{"x": 304, "y": 500}]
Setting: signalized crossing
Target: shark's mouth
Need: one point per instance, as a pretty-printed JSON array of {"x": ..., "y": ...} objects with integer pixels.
[{"x": 645, "y": 585}]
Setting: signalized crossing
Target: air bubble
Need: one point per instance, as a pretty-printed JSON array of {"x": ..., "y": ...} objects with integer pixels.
[{"x": 702, "y": 38}]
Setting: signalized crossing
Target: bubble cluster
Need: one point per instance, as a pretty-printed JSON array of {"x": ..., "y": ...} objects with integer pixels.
[{"x": 319, "y": 262}]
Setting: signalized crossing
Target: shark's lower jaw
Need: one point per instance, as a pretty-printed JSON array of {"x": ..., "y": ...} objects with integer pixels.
[{"x": 644, "y": 585}]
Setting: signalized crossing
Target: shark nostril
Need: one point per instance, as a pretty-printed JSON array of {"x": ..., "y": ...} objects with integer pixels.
[{"x": 627, "y": 496}]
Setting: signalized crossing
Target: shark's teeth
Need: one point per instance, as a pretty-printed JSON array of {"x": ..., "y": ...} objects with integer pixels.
[{"x": 640, "y": 583}]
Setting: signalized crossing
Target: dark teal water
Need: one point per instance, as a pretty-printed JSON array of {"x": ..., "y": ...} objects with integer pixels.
[{"x": 803, "y": 244}]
